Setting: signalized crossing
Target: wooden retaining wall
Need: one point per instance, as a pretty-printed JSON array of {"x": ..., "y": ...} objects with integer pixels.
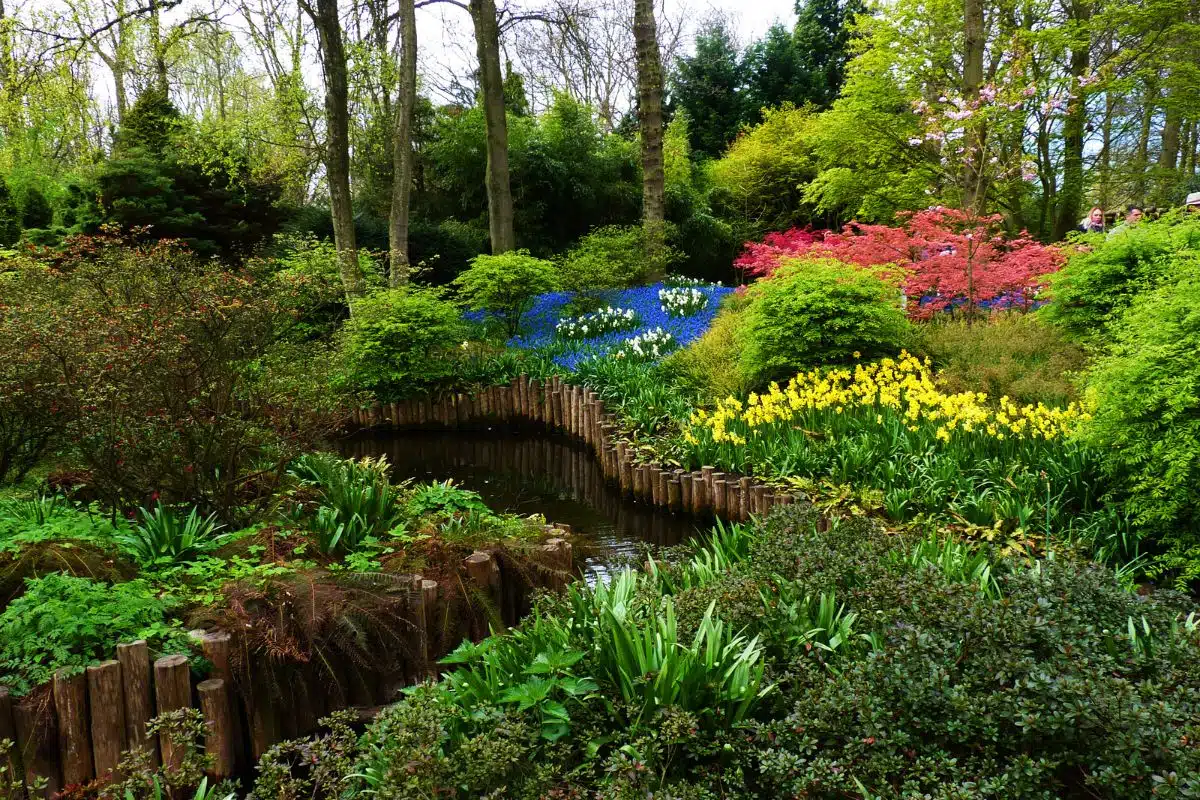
[
  {"x": 78, "y": 728},
  {"x": 579, "y": 413}
]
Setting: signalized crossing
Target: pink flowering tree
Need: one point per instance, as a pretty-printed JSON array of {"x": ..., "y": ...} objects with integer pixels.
[{"x": 951, "y": 260}]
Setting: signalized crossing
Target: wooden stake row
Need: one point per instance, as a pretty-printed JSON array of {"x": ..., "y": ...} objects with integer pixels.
[
  {"x": 89, "y": 720},
  {"x": 578, "y": 412}
]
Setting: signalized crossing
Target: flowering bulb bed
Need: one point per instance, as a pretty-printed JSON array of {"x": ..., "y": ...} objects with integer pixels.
[
  {"x": 598, "y": 323},
  {"x": 887, "y": 426},
  {"x": 682, "y": 301},
  {"x": 646, "y": 346},
  {"x": 542, "y": 322}
]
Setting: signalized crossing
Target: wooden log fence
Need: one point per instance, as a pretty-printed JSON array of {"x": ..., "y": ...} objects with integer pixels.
[
  {"x": 579, "y": 413},
  {"x": 80, "y": 727}
]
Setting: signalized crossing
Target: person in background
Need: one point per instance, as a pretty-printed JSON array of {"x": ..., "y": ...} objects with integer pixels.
[
  {"x": 1132, "y": 217},
  {"x": 1094, "y": 222},
  {"x": 1192, "y": 203}
]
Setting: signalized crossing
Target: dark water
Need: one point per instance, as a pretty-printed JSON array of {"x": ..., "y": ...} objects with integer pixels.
[{"x": 533, "y": 472}]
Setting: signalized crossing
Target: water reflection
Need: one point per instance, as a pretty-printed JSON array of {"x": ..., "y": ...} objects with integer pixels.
[{"x": 534, "y": 472}]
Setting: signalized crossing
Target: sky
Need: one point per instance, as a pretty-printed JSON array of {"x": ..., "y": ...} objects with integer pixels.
[{"x": 446, "y": 44}]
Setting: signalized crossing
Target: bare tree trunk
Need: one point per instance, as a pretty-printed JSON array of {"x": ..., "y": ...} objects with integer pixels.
[
  {"x": 650, "y": 93},
  {"x": 974, "y": 189},
  {"x": 402, "y": 150},
  {"x": 1168, "y": 155},
  {"x": 1106, "y": 132},
  {"x": 1141, "y": 161},
  {"x": 159, "y": 49},
  {"x": 1074, "y": 126},
  {"x": 500, "y": 204},
  {"x": 337, "y": 156}
]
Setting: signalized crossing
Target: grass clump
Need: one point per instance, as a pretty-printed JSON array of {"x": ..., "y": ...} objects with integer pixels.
[{"x": 1015, "y": 355}]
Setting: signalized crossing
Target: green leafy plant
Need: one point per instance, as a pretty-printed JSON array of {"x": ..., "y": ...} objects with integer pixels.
[
  {"x": 37, "y": 511},
  {"x": 1101, "y": 281},
  {"x": 357, "y": 500},
  {"x": 612, "y": 257},
  {"x": 164, "y": 536},
  {"x": 1146, "y": 423},
  {"x": 505, "y": 285},
  {"x": 818, "y": 311},
  {"x": 1015, "y": 355},
  {"x": 62, "y": 621},
  {"x": 958, "y": 561},
  {"x": 401, "y": 342}
]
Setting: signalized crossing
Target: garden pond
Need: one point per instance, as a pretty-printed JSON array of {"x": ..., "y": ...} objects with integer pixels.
[{"x": 522, "y": 471}]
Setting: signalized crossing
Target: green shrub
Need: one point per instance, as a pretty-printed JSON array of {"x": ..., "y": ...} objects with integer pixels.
[
  {"x": 1147, "y": 417},
  {"x": 612, "y": 257},
  {"x": 356, "y": 500},
  {"x": 160, "y": 370},
  {"x": 505, "y": 285},
  {"x": 401, "y": 342},
  {"x": 1097, "y": 285},
  {"x": 36, "y": 211},
  {"x": 10, "y": 217},
  {"x": 1018, "y": 355},
  {"x": 819, "y": 311},
  {"x": 61, "y": 621},
  {"x": 711, "y": 366},
  {"x": 164, "y": 536}
]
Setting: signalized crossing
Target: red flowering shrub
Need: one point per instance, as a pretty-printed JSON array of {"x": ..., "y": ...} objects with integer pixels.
[
  {"x": 950, "y": 258},
  {"x": 165, "y": 370}
]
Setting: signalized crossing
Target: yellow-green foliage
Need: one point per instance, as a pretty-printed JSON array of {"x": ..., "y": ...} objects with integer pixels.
[
  {"x": 761, "y": 179},
  {"x": 710, "y": 365},
  {"x": 1017, "y": 355}
]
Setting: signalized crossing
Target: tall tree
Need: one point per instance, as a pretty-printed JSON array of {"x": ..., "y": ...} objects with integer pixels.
[
  {"x": 650, "y": 94},
  {"x": 823, "y": 40},
  {"x": 1079, "y": 14},
  {"x": 325, "y": 19},
  {"x": 775, "y": 73},
  {"x": 708, "y": 85},
  {"x": 402, "y": 146},
  {"x": 491, "y": 84},
  {"x": 975, "y": 43}
]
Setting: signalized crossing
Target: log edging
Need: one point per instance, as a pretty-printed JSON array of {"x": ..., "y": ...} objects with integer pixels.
[{"x": 579, "y": 413}]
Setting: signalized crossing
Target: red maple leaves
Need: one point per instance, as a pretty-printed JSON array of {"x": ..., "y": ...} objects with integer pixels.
[{"x": 950, "y": 259}]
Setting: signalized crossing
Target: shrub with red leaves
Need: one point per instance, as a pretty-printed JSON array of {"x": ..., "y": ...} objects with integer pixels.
[{"x": 952, "y": 260}]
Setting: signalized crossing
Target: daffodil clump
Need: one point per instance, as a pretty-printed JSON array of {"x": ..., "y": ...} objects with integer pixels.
[{"x": 887, "y": 425}]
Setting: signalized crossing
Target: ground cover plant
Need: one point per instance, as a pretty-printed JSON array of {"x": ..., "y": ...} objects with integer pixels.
[
  {"x": 729, "y": 670},
  {"x": 77, "y": 583}
]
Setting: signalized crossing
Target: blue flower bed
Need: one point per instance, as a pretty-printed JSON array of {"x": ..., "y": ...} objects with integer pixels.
[{"x": 548, "y": 310}]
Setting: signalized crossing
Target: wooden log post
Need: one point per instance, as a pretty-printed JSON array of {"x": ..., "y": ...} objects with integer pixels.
[
  {"x": 10, "y": 761},
  {"x": 768, "y": 501},
  {"x": 685, "y": 493},
  {"x": 733, "y": 500},
  {"x": 626, "y": 474},
  {"x": 172, "y": 691},
  {"x": 74, "y": 744},
  {"x": 664, "y": 479},
  {"x": 484, "y": 573},
  {"x": 699, "y": 496},
  {"x": 429, "y": 599},
  {"x": 744, "y": 496},
  {"x": 675, "y": 494},
  {"x": 37, "y": 745},
  {"x": 106, "y": 703},
  {"x": 216, "y": 647},
  {"x": 719, "y": 495},
  {"x": 216, "y": 706},
  {"x": 134, "y": 658}
]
